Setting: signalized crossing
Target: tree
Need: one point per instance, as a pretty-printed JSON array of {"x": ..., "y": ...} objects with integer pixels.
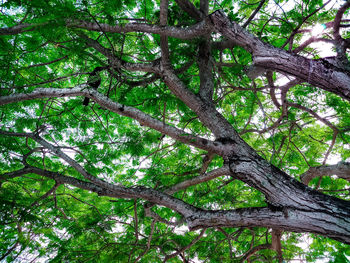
[{"x": 219, "y": 116}]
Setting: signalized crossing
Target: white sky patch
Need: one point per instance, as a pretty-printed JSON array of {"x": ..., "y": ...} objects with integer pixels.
[
  {"x": 334, "y": 159},
  {"x": 318, "y": 29},
  {"x": 324, "y": 49},
  {"x": 181, "y": 230},
  {"x": 282, "y": 79},
  {"x": 305, "y": 244},
  {"x": 118, "y": 228}
]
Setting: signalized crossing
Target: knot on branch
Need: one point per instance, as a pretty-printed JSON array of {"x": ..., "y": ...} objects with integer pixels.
[{"x": 225, "y": 140}]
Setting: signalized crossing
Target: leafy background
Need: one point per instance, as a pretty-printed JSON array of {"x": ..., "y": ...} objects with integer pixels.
[{"x": 73, "y": 225}]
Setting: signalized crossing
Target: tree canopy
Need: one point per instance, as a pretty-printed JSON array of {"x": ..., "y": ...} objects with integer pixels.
[{"x": 211, "y": 131}]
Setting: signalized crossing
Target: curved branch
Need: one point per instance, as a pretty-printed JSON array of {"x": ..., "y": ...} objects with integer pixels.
[
  {"x": 14, "y": 30},
  {"x": 341, "y": 44},
  {"x": 296, "y": 30},
  {"x": 105, "y": 102},
  {"x": 316, "y": 72},
  {"x": 311, "y": 112},
  {"x": 341, "y": 169},
  {"x": 158, "y": 218},
  {"x": 111, "y": 190},
  {"x": 154, "y": 77},
  {"x": 309, "y": 41},
  {"x": 152, "y": 67},
  {"x": 337, "y": 20},
  {"x": 290, "y": 219}
]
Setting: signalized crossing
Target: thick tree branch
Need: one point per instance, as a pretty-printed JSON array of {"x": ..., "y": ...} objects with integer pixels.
[
  {"x": 199, "y": 29},
  {"x": 205, "y": 64},
  {"x": 207, "y": 113},
  {"x": 105, "y": 102},
  {"x": 276, "y": 235},
  {"x": 14, "y": 30},
  {"x": 221, "y": 45},
  {"x": 280, "y": 189},
  {"x": 204, "y": 6},
  {"x": 110, "y": 190},
  {"x": 287, "y": 219},
  {"x": 164, "y": 47},
  {"x": 290, "y": 219},
  {"x": 316, "y": 72},
  {"x": 341, "y": 169}
]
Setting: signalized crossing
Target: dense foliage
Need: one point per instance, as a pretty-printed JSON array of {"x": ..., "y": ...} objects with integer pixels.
[{"x": 125, "y": 178}]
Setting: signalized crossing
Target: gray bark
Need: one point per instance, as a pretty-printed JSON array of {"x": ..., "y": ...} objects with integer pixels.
[
  {"x": 341, "y": 170},
  {"x": 316, "y": 72},
  {"x": 292, "y": 206}
]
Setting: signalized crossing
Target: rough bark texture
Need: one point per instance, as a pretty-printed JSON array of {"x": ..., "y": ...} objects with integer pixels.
[
  {"x": 318, "y": 73},
  {"x": 292, "y": 206},
  {"x": 341, "y": 170}
]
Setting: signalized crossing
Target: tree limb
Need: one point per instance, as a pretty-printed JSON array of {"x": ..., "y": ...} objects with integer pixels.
[
  {"x": 341, "y": 169},
  {"x": 199, "y": 29},
  {"x": 105, "y": 102},
  {"x": 254, "y": 250},
  {"x": 205, "y": 64},
  {"x": 198, "y": 179},
  {"x": 189, "y": 8},
  {"x": 194, "y": 241},
  {"x": 262, "y": 2},
  {"x": 111, "y": 190},
  {"x": 316, "y": 72},
  {"x": 14, "y": 30},
  {"x": 290, "y": 219}
]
